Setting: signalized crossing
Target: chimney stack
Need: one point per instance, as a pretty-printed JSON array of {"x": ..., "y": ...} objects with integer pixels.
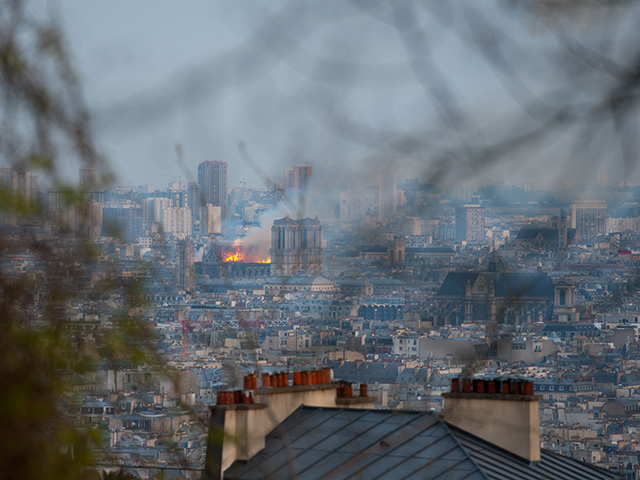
[
  {"x": 503, "y": 411},
  {"x": 241, "y": 419}
]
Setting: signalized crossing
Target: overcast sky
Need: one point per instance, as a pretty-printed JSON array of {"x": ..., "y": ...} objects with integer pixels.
[{"x": 344, "y": 86}]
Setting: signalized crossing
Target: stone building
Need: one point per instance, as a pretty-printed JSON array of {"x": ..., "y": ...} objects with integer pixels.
[{"x": 296, "y": 247}]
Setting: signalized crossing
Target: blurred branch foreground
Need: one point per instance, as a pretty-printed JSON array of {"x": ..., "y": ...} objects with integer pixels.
[{"x": 67, "y": 314}]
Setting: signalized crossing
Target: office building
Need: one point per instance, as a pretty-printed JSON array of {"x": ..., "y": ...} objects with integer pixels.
[
  {"x": 357, "y": 202},
  {"x": 387, "y": 195},
  {"x": 212, "y": 177},
  {"x": 177, "y": 221},
  {"x": 153, "y": 210},
  {"x": 210, "y": 220},
  {"x": 297, "y": 177},
  {"x": 21, "y": 183},
  {"x": 122, "y": 221},
  {"x": 194, "y": 200},
  {"x": 88, "y": 180},
  {"x": 589, "y": 218},
  {"x": 470, "y": 223}
]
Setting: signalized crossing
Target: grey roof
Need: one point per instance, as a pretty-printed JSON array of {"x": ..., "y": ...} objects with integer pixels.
[
  {"x": 507, "y": 285},
  {"x": 344, "y": 443},
  {"x": 337, "y": 443},
  {"x": 499, "y": 464},
  {"x": 571, "y": 327},
  {"x": 367, "y": 372},
  {"x": 530, "y": 233}
]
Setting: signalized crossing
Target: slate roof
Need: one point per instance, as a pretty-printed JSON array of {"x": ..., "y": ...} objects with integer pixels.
[
  {"x": 430, "y": 250},
  {"x": 455, "y": 283},
  {"x": 549, "y": 234},
  {"x": 366, "y": 372},
  {"x": 314, "y": 443},
  {"x": 524, "y": 285},
  {"x": 530, "y": 233},
  {"x": 571, "y": 327},
  {"x": 506, "y": 284}
]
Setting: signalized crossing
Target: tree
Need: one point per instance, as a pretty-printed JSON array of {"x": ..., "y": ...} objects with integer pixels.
[{"x": 47, "y": 269}]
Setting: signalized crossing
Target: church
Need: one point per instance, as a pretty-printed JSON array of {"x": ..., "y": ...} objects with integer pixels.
[{"x": 496, "y": 295}]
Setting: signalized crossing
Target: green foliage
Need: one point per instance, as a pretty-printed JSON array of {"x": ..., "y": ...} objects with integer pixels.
[{"x": 44, "y": 120}]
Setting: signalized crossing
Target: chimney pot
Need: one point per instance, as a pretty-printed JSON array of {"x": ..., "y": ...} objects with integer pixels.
[
  {"x": 491, "y": 386},
  {"x": 455, "y": 384},
  {"x": 364, "y": 389},
  {"x": 508, "y": 418},
  {"x": 467, "y": 386},
  {"x": 505, "y": 386},
  {"x": 527, "y": 388},
  {"x": 516, "y": 387},
  {"x": 478, "y": 385}
]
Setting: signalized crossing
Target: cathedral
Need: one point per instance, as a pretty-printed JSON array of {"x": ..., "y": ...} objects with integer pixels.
[
  {"x": 496, "y": 295},
  {"x": 296, "y": 247}
]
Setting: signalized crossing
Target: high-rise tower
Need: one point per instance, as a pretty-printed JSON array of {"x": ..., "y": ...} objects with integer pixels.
[
  {"x": 387, "y": 194},
  {"x": 589, "y": 218},
  {"x": 470, "y": 223},
  {"x": 297, "y": 178},
  {"x": 88, "y": 179},
  {"x": 212, "y": 177}
]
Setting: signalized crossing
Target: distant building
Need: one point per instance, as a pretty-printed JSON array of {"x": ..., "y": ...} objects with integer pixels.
[
  {"x": 88, "y": 180},
  {"x": 177, "y": 221},
  {"x": 124, "y": 221},
  {"x": 502, "y": 297},
  {"x": 210, "y": 219},
  {"x": 554, "y": 235},
  {"x": 185, "y": 266},
  {"x": 470, "y": 223},
  {"x": 21, "y": 183},
  {"x": 212, "y": 177},
  {"x": 589, "y": 218},
  {"x": 153, "y": 210},
  {"x": 297, "y": 177},
  {"x": 357, "y": 202},
  {"x": 194, "y": 200},
  {"x": 296, "y": 247},
  {"x": 387, "y": 195}
]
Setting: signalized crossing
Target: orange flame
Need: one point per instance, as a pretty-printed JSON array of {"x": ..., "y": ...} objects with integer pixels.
[{"x": 239, "y": 254}]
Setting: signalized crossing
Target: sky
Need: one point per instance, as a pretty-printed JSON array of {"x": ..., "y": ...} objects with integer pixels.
[{"x": 344, "y": 86}]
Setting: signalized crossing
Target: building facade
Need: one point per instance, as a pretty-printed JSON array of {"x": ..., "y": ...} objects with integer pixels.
[
  {"x": 470, "y": 223},
  {"x": 212, "y": 177},
  {"x": 296, "y": 247},
  {"x": 589, "y": 218},
  {"x": 185, "y": 266},
  {"x": 297, "y": 177}
]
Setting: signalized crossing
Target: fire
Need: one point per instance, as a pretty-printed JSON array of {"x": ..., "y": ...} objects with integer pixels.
[
  {"x": 243, "y": 255},
  {"x": 234, "y": 257}
]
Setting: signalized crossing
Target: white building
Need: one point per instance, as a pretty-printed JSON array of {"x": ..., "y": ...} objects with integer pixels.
[{"x": 177, "y": 222}]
